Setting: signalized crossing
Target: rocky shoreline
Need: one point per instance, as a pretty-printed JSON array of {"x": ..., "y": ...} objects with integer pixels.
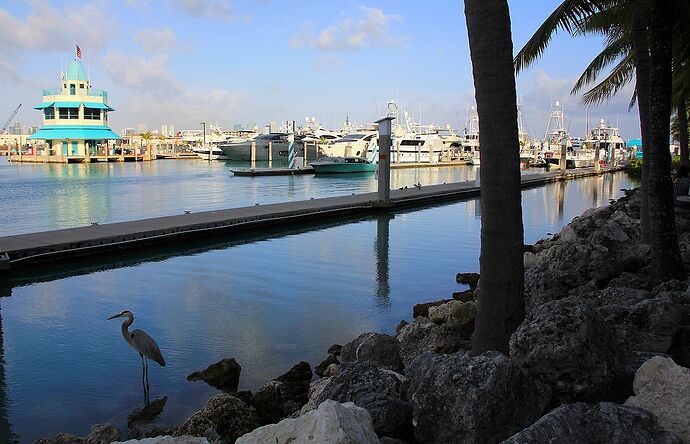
[{"x": 603, "y": 355}]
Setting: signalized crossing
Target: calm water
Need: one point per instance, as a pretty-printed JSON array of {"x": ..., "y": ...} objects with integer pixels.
[{"x": 268, "y": 302}]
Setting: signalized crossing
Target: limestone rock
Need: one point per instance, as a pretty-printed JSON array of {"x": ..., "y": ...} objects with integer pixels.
[
  {"x": 423, "y": 335},
  {"x": 321, "y": 368},
  {"x": 315, "y": 389},
  {"x": 464, "y": 312},
  {"x": 100, "y": 434},
  {"x": 335, "y": 349},
  {"x": 459, "y": 398},
  {"x": 139, "y": 421},
  {"x": 595, "y": 423},
  {"x": 332, "y": 422},
  {"x": 422, "y": 309},
  {"x": 379, "y": 348},
  {"x": 167, "y": 439},
  {"x": 223, "y": 418},
  {"x": 378, "y": 390},
  {"x": 103, "y": 434},
  {"x": 567, "y": 345},
  {"x": 223, "y": 375},
  {"x": 463, "y": 296},
  {"x": 284, "y": 395},
  {"x": 331, "y": 370},
  {"x": 663, "y": 388},
  {"x": 471, "y": 279}
]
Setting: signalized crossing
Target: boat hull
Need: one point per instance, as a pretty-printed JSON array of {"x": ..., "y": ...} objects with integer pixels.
[{"x": 341, "y": 168}]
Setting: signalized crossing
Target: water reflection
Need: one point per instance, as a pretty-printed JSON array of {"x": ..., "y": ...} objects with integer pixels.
[
  {"x": 6, "y": 434},
  {"x": 381, "y": 251}
]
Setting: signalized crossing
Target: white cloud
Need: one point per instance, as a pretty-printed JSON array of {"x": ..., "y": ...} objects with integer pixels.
[
  {"x": 146, "y": 76},
  {"x": 214, "y": 9},
  {"x": 157, "y": 41},
  {"x": 47, "y": 28},
  {"x": 371, "y": 28},
  {"x": 149, "y": 92}
]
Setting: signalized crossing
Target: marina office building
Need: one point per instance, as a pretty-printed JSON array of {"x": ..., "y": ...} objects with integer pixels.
[{"x": 75, "y": 118}]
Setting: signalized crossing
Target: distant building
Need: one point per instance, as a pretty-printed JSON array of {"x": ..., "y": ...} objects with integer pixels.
[
  {"x": 142, "y": 128},
  {"x": 168, "y": 130},
  {"x": 75, "y": 116},
  {"x": 16, "y": 129}
]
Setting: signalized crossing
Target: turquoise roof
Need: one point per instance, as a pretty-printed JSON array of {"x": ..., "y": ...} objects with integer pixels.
[
  {"x": 67, "y": 104},
  {"x": 81, "y": 132},
  {"x": 98, "y": 105},
  {"x": 44, "y": 105},
  {"x": 75, "y": 71}
]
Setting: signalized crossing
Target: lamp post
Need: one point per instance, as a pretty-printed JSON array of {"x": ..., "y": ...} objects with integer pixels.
[{"x": 203, "y": 124}]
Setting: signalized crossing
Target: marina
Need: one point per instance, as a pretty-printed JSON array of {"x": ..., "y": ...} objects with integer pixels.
[{"x": 253, "y": 295}]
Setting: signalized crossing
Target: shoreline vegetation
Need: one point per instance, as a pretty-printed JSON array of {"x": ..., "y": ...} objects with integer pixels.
[{"x": 602, "y": 355}]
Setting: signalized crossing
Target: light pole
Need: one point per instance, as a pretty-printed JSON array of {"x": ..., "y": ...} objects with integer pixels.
[{"x": 204, "y": 140}]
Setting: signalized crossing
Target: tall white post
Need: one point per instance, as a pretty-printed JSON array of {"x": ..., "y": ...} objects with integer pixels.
[{"x": 385, "y": 130}]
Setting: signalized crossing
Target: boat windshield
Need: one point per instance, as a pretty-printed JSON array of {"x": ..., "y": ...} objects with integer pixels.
[{"x": 351, "y": 137}]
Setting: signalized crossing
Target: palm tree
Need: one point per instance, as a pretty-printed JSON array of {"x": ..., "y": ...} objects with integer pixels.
[
  {"x": 501, "y": 306},
  {"x": 666, "y": 262},
  {"x": 627, "y": 26}
]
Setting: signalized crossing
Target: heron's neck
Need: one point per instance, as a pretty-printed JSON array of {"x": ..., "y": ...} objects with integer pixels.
[{"x": 125, "y": 329}]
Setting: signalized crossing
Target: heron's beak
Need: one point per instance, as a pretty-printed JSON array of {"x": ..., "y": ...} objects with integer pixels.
[{"x": 119, "y": 315}]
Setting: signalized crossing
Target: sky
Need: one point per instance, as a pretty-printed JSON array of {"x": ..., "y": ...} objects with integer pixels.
[{"x": 230, "y": 62}]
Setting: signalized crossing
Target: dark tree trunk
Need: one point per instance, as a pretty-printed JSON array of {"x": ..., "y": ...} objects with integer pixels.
[
  {"x": 682, "y": 111},
  {"x": 501, "y": 307},
  {"x": 641, "y": 51},
  {"x": 666, "y": 262}
]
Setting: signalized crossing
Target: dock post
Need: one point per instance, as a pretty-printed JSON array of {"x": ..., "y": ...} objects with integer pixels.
[
  {"x": 384, "y": 190},
  {"x": 252, "y": 152}
]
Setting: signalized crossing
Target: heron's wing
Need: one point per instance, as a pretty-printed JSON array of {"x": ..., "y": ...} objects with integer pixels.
[{"x": 144, "y": 344}]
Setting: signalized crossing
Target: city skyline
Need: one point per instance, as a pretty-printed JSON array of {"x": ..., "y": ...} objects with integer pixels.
[{"x": 181, "y": 62}]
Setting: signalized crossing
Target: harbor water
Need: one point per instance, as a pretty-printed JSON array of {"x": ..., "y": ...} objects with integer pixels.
[{"x": 269, "y": 301}]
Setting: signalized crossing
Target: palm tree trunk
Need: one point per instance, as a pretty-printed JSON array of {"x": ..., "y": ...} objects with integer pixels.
[
  {"x": 666, "y": 262},
  {"x": 501, "y": 300},
  {"x": 640, "y": 41},
  {"x": 682, "y": 110}
]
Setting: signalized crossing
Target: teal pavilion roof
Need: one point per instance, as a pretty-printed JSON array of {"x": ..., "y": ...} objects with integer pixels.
[
  {"x": 52, "y": 132},
  {"x": 75, "y": 71}
]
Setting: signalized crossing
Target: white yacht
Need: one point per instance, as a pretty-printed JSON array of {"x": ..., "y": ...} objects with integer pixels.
[
  {"x": 212, "y": 150},
  {"x": 470, "y": 139},
  {"x": 354, "y": 144},
  {"x": 276, "y": 142},
  {"x": 608, "y": 141}
]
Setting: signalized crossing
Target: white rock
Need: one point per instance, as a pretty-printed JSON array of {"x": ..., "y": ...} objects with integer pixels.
[
  {"x": 331, "y": 423},
  {"x": 167, "y": 439},
  {"x": 663, "y": 388}
]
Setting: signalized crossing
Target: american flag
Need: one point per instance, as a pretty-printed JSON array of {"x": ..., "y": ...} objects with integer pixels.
[{"x": 78, "y": 51}]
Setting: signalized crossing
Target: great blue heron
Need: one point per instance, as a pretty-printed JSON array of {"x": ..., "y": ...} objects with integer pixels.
[{"x": 144, "y": 344}]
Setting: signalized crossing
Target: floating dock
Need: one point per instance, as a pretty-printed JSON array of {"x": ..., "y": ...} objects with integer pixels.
[{"x": 24, "y": 250}]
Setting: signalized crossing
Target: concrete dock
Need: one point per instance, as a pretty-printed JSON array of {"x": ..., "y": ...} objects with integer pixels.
[{"x": 24, "y": 250}]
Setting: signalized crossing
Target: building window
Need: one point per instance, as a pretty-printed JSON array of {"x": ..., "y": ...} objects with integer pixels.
[
  {"x": 81, "y": 86},
  {"x": 92, "y": 114},
  {"x": 49, "y": 113},
  {"x": 72, "y": 89},
  {"x": 68, "y": 113}
]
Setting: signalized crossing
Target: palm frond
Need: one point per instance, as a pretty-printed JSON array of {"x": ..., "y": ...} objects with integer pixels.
[
  {"x": 617, "y": 49},
  {"x": 566, "y": 17},
  {"x": 620, "y": 76}
]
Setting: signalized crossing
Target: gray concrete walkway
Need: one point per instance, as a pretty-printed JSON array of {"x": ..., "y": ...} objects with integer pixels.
[{"x": 19, "y": 251}]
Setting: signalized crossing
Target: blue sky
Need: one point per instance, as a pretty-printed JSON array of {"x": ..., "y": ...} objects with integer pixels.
[{"x": 228, "y": 61}]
